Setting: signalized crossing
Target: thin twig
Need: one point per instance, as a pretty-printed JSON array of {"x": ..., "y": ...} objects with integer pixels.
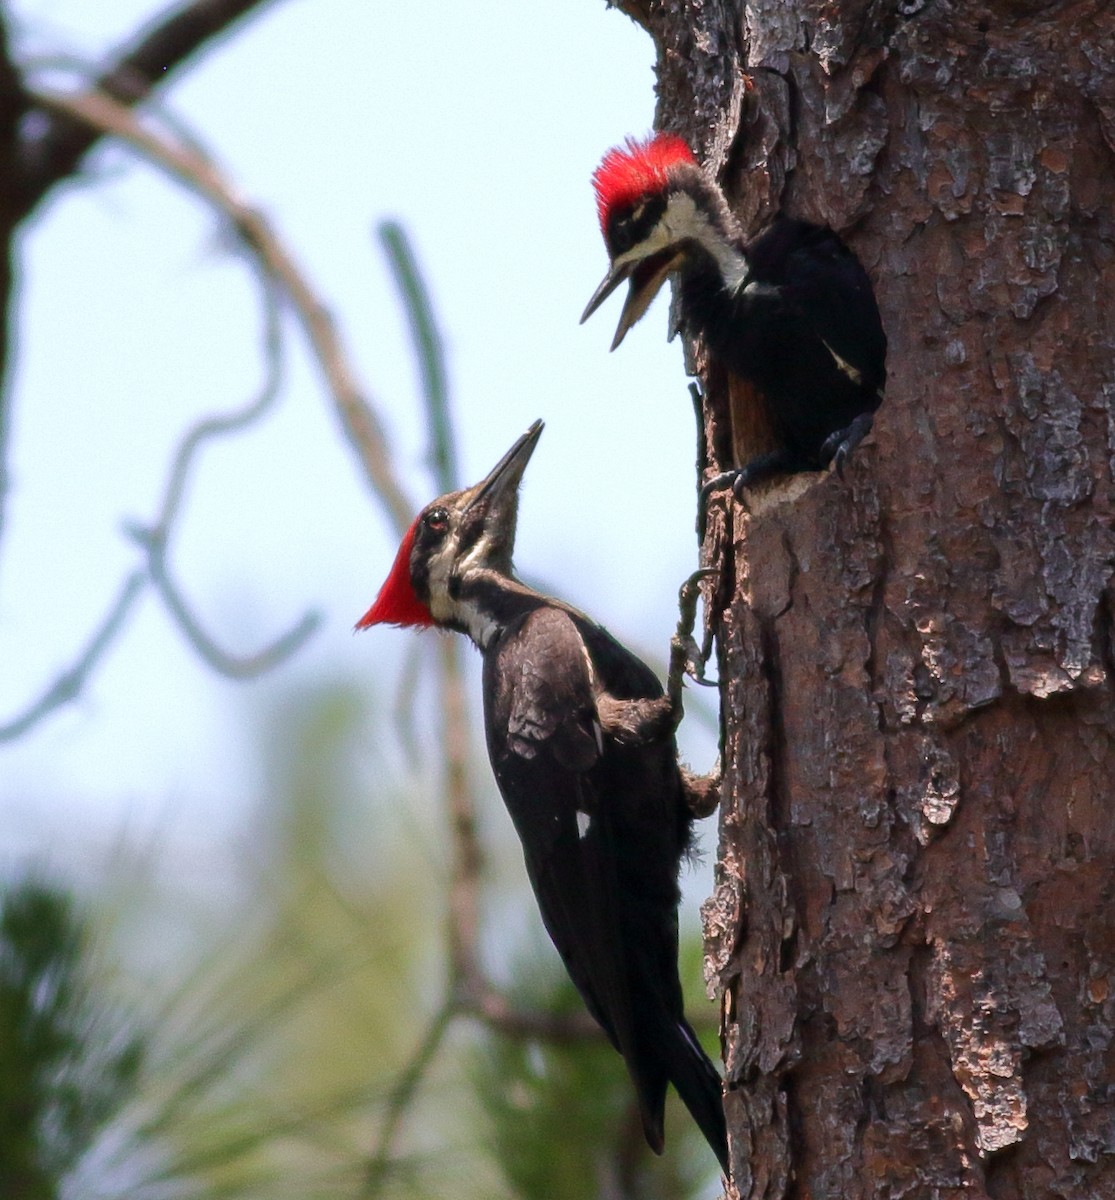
[
  {"x": 222, "y": 424},
  {"x": 467, "y": 862},
  {"x": 197, "y": 172},
  {"x": 230, "y": 665},
  {"x": 69, "y": 683},
  {"x": 429, "y": 349},
  {"x": 52, "y": 153},
  {"x": 402, "y": 704},
  {"x": 529, "y": 1025},
  {"x": 155, "y": 539},
  {"x": 402, "y": 1096},
  {"x": 460, "y": 804}
]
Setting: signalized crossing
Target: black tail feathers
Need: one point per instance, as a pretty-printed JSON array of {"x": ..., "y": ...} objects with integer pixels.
[
  {"x": 674, "y": 1055},
  {"x": 700, "y": 1087}
]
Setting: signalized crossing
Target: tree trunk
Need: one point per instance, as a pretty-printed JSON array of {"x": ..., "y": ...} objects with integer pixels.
[{"x": 912, "y": 928}]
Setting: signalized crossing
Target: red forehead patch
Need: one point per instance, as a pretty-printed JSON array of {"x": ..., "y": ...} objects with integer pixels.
[{"x": 636, "y": 169}]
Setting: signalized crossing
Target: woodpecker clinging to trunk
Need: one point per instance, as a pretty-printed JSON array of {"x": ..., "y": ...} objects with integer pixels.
[
  {"x": 791, "y": 314},
  {"x": 581, "y": 740}
]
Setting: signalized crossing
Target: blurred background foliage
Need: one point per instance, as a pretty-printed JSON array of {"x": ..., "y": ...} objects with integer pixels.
[
  {"x": 261, "y": 1055},
  {"x": 274, "y": 1017}
]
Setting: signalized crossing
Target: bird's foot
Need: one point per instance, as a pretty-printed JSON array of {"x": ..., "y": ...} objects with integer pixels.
[
  {"x": 739, "y": 479},
  {"x": 839, "y": 445},
  {"x": 702, "y": 792},
  {"x": 686, "y": 656},
  {"x": 716, "y": 484}
]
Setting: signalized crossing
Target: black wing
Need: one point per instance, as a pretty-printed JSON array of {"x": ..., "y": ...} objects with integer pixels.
[
  {"x": 548, "y": 753},
  {"x": 828, "y": 286},
  {"x": 806, "y": 332},
  {"x": 604, "y": 825}
]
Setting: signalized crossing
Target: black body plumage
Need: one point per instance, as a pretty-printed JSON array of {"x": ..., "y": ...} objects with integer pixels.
[
  {"x": 791, "y": 314},
  {"x": 803, "y": 328},
  {"x": 581, "y": 740},
  {"x": 604, "y": 826}
]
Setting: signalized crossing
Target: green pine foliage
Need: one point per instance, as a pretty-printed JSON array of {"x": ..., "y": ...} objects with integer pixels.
[
  {"x": 561, "y": 1118},
  {"x": 262, "y": 1057},
  {"x": 66, "y": 1062}
]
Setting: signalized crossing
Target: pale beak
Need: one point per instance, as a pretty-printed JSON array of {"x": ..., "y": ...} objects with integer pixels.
[
  {"x": 504, "y": 478},
  {"x": 647, "y": 277}
]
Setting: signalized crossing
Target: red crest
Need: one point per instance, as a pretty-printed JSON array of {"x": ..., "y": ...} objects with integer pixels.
[
  {"x": 397, "y": 603},
  {"x": 636, "y": 169}
]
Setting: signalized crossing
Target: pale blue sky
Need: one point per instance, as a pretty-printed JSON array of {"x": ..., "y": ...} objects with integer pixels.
[{"x": 478, "y": 127}]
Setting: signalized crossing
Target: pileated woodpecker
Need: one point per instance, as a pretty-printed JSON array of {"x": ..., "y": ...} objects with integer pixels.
[
  {"x": 792, "y": 313},
  {"x": 581, "y": 740}
]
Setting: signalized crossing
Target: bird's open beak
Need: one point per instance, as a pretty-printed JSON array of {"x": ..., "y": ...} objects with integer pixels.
[
  {"x": 611, "y": 281},
  {"x": 502, "y": 481},
  {"x": 647, "y": 276}
]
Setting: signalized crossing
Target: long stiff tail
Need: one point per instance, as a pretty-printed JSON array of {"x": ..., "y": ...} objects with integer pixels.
[{"x": 700, "y": 1087}]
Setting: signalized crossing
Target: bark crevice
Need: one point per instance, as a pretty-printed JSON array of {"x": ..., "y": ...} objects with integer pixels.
[{"x": 919, "y": 661}]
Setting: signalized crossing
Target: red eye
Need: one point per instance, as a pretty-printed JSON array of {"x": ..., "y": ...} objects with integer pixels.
[{"x": 437, "y": 520}]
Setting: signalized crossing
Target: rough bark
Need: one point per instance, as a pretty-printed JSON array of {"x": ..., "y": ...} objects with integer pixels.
[{"x": 912, "y": 927}]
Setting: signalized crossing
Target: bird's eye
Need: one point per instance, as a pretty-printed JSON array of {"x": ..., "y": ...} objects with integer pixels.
[
  {"x": 628, "y": 228},
  {"x": 437, "y": 520}
]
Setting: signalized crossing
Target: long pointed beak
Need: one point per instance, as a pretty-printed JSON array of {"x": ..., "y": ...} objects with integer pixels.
[
  {"x": 504, "y": 478},
  {"x": 611, "y": 281},
  {"x": 647, "y": 277}
]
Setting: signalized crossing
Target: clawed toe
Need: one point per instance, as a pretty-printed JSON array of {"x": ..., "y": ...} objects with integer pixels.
[{"x": 839, "y": 445}]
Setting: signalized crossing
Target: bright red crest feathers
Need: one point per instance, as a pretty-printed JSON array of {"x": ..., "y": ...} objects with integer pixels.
[
  {"x": 636, "y": 169},
  {"x": 397, "y": 603}
]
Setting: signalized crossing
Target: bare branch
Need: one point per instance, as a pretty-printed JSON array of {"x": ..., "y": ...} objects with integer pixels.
[
  {"x": 69, "y": 684},
  {"x": 359, "y": 419},
  {"x": 155, "y": 539},
  {"x": 522, "y": 1024},
  {"x": 460, "y": 804},
  {"x": 13, "y": 103},
  {"x": 460, "y": 810},
  {"x": 220, "y": 660},
  {"x": 221, "y": 424},
  {"x": 402, "y": 1096},
  {"x": 402, "y": 706},
  {"x": 164, "y": 45},
  {"x": 428, "y": 349}
]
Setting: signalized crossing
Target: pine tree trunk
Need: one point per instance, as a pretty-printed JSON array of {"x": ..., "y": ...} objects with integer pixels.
[{"x": 912, "y": 928}]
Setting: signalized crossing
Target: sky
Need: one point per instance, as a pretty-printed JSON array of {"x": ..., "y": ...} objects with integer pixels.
[{"x": 479, "y": 130}]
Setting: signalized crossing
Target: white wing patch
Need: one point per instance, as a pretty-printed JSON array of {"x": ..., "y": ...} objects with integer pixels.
[
  {"x": 844, "y": 365},
  {"x": 584, "y": 823}
]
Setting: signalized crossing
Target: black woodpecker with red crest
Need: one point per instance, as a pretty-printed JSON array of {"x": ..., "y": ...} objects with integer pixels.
[
  {"x": 581, "y": 740},
  {"x": 792, "y": 313}
]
